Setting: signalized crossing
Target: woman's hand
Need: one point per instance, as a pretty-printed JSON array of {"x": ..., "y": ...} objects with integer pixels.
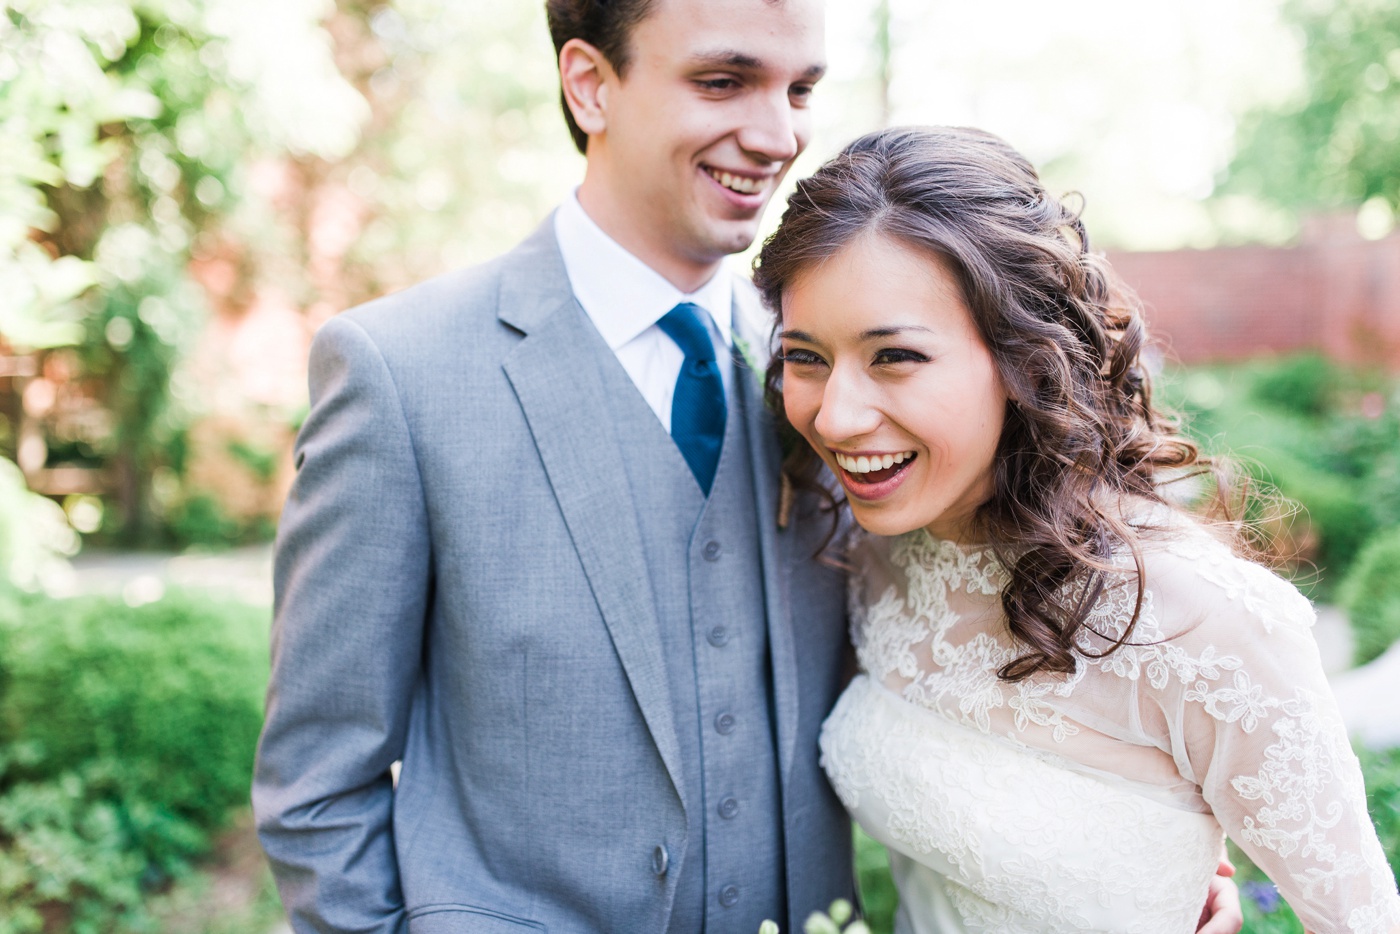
[{"x": 1222, "y": 914}]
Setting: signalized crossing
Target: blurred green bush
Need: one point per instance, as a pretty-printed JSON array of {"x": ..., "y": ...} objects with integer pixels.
[
  {"x": 878, "y": 898},
  {"x": 1325, "y": 436},
  {"x": 1371, "y": 595},
  {"x": 126, "y": 735},
  {"x": 1305, "y": 385}
]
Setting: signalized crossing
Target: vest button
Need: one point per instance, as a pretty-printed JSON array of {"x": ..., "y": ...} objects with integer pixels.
[
  {"x": 725, "y": 723},
  {"x": 659, "y": 860},
  {"x": 711, "y": 551},
  {"x": 718, "y": 636},
  {"x": 728, "y": 808},
  {"x": 729, "y": 896}
]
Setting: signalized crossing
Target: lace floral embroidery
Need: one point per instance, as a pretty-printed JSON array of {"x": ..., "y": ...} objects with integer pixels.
[{"x": 1283, "y": 779}]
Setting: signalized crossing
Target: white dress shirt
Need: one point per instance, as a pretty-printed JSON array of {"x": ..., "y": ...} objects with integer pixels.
[{"x": 624, "y": 297}]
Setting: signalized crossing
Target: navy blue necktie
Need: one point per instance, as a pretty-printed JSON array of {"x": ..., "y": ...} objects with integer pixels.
[{"x": 697, "y": 409}]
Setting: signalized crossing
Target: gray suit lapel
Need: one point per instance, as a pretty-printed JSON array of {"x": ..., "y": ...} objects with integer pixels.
[
  {"x": 767, "y": 464},
  {"x": 555, "y": 377}
]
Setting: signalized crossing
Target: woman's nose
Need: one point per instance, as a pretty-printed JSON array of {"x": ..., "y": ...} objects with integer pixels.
[{"x": 848, "y": 412}]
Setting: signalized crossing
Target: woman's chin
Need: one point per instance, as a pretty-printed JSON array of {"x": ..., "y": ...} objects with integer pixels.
[{"x": 885, "y": 524}]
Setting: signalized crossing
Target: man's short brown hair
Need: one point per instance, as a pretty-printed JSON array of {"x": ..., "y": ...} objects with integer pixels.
[{"x": 604, "y": 24}]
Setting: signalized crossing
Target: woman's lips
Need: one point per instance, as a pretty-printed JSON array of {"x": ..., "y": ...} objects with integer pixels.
[{"x": 875, "y": 484}]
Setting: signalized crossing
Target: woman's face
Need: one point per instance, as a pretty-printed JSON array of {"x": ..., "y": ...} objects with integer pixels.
[{"x": 886, "y": 376}]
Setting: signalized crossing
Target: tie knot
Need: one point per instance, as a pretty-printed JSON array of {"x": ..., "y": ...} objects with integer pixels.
[{"x": 685, "y": 325}]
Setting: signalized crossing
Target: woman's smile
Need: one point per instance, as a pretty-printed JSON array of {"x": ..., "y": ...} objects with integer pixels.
[{"x": 873, "y": 476}]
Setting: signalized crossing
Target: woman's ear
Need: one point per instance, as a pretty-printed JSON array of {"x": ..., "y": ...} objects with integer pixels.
[{"x": 584, "y": 74}]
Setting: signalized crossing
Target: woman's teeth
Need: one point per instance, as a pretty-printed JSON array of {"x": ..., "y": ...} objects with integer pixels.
[
  {"x": 744, "y": 186},
  {"x": 869, "y": 464}
]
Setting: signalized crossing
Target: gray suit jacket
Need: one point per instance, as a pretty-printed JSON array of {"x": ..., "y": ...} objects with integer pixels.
[{"x": 460, "y": 586}]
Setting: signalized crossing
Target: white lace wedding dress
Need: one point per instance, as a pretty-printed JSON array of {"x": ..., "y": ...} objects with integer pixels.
[{"x": 1094, "y": 801}]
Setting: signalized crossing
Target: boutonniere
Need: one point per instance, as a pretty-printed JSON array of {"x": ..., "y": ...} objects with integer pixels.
[{"x": 748, "y": 354}]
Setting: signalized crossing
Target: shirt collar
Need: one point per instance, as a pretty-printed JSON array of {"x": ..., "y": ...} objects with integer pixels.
[{"x": 621, "y": 294}]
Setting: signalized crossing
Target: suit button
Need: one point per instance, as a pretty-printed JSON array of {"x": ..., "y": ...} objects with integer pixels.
[
  {"x": 711, "y": 551},
  {"x": 725, "y": 723},
  {"x": 729, "y": 896},
  {"x": 659, "y": 861},
  {"x": 728, "y": 808},
  {"x": 718, "y": 636}
]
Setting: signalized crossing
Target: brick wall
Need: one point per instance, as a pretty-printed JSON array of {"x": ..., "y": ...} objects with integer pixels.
[{"x": 1333, "y": 292}]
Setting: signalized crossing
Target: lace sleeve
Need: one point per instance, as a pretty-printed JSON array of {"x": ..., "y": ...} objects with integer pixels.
[{"x": 1261, "y": 733}]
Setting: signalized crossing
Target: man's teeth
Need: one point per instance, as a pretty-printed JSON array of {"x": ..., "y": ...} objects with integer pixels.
[
  {"x": 745, "y": 186},
  {"x": 868, "y": 464}
]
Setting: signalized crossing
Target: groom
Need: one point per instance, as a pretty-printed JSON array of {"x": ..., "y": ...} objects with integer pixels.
[
  {"x": 533, "y": 551},
  {"x": 533, "y": 548}
]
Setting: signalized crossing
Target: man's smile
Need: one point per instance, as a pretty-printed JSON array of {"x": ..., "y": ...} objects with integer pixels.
[{"x": 740, "y": 184}]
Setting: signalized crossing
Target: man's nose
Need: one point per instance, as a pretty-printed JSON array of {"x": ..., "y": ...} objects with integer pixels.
[
  {"x": 774, "y": 131},
  {"x": 848, "y": 412}
]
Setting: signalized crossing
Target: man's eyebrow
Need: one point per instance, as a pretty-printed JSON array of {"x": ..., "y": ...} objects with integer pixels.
[{"x": 730, "y": 58}]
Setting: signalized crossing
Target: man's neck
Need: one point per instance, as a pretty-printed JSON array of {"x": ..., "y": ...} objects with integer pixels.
[{"x": 685, "y": 274}]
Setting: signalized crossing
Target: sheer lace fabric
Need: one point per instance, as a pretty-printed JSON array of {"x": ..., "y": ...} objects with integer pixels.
[{"x": 1094, "y": 800}]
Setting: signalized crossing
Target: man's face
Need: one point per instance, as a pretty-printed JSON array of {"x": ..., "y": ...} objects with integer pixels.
[{"x": 711, "y": 112}]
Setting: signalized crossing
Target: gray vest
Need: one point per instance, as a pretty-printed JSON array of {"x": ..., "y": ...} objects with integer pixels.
[{"x": 706, "y": 574}]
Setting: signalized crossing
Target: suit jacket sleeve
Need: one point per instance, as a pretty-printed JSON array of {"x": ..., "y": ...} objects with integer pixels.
[{"x": 352, "y": 589}]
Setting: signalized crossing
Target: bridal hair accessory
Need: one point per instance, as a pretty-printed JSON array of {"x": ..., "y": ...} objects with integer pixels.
[{"x": 824, "y": 923}]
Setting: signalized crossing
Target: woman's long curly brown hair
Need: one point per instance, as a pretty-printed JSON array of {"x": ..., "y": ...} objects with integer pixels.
[{"x": 1082, "y": 447}]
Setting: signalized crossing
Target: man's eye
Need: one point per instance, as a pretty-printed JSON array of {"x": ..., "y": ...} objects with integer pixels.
[
  {"x": 801, "y": 92},
  {"x": 802, "y": 358},
  {"x": 898, "y": 355},
  {"x": 718, "y": 84}
]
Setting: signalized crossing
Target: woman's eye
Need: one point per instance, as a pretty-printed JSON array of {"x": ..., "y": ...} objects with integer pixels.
[
  {"x": 898, "y": 355},
  {"x": 801, "y": 358}
]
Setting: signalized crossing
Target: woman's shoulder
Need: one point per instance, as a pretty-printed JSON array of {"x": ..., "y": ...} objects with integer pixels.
[{"x": 1201, "y": 584}]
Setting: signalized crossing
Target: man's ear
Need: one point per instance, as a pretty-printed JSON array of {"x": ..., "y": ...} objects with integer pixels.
[{"x": 583, "y": 74}]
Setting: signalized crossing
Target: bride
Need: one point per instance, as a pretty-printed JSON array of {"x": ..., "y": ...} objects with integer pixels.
[{"x": 1068, "y": 685}]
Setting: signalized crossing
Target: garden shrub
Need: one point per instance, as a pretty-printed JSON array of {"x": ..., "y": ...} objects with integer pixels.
[
  {"x": 126, "y": 735},
  {"x": 878, "y": 897},
  {"x": 1371, "y": 595},
  {"x": 1305, "y": 384},
  {"x": 1334, "y": 508}
]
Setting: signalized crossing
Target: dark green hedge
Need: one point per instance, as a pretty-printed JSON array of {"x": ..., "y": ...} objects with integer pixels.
[
  {"x": 126, "y": 735},
  {"x": 1371, "y": 595}
]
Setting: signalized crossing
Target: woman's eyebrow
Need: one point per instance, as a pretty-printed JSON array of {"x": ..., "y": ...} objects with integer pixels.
[
  {"x": 798, "y": 336},
  {"x": 874, "y": 333}
]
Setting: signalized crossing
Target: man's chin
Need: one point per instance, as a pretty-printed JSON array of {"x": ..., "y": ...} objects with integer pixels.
[{"x": 731, "y": 238}]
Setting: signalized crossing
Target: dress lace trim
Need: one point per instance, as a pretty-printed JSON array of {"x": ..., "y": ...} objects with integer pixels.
[{"x": 1220, "y": 674}]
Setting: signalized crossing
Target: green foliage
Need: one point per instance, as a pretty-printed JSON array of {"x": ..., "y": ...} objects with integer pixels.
[
  {"x": 1338, "y": 143},
  {"x": 1371, "y": 595},
  {"x": 1325, "y": 437},
  {"x": 200, "y": 520},
  {"x": 1305, "y": 384},
  {"x": 1334, "y": 506},
  {"x": 130, "y": 128},
  {"x": 126, "y": 734},
  {"x": 34, "y": 535},
  {"x": 878, "y": 897}
]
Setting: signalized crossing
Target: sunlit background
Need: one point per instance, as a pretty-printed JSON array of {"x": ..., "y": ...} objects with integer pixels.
[{"x": 189, "y": 188}]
